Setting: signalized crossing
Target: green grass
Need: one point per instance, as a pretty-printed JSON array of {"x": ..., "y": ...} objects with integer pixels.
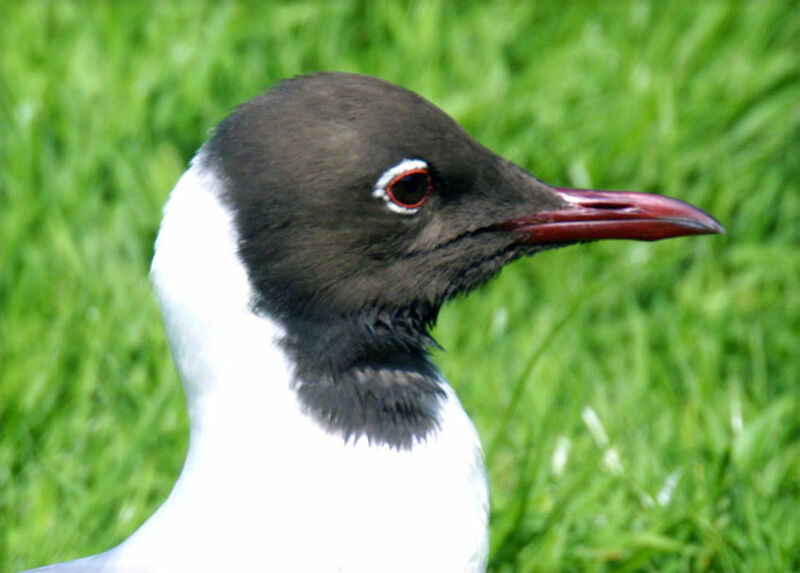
[{"x": 687, "y": 351}]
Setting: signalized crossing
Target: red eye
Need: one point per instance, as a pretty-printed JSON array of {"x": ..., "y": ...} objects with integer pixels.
[{"x": 410, "y": 189}]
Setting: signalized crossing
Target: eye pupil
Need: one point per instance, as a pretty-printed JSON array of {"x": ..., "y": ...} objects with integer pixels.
[{"x": 410, "y": 189}]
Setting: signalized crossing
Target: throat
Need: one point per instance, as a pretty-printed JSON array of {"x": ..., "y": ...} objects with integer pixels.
[
  {"x": 395, "y": 403},
  {"x": 367, "y": 376}
]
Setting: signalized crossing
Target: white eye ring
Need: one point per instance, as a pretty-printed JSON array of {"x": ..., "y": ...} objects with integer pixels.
[{"x": 390, "y": 175}]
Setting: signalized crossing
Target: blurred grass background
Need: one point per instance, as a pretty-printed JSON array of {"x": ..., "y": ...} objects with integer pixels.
[{"x": 639, "y": 403}]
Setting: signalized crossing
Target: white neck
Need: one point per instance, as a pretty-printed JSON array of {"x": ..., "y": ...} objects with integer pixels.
[
  {"x": 226, "y": 355},
  {"x": 263, "y": 483}
]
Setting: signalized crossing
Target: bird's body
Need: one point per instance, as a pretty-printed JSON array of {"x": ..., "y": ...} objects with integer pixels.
[
  {"x": 262, "y": 487},
  {"x": 300, "y": 261}
]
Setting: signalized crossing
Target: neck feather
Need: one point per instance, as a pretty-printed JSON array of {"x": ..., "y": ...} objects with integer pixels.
[
  {"x": 205, "y": 296},
  {"x": 359, "y": 376}
]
